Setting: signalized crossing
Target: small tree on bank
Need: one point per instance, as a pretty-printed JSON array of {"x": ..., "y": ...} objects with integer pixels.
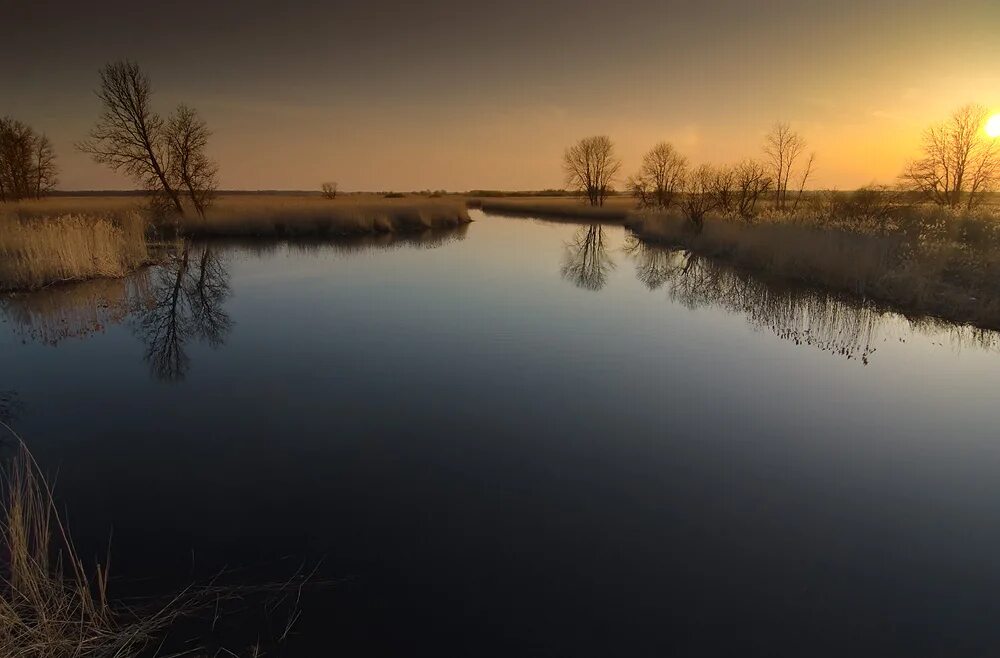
[
  {"x": 699, "y": 196},
  {"x": 591, "y": 167},
  {"x": 751, "y": 181},
  {"x": 27, "y": 162},
  {"x": 165, "y": 157},
  {"x": 660, "y": 178},
  {"x": 961, "y": 163},
  {"x": 129, "y": 135},
  {"x": 783, "y": 148},
  {"x": 187, "y": 138},
  {"x": 329, "y": 190}
]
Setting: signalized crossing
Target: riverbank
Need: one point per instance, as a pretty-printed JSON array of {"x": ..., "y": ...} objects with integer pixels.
[
  {"x": 67, "y": 239},
  {"x": 923, "y": 261},
  {"x": 616, "y": 209}
]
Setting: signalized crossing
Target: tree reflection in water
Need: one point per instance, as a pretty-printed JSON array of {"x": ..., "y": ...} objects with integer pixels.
[
  {"x": 587, "y": 262},
  {"x": 184, "y": 303},
  {"x": 827, "y": 321}
]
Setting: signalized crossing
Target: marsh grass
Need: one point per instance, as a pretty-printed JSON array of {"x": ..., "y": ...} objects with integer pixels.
[
  {"x": 238, "y": 216},
  {"x": 922, "y": 260},
  {"x": 40, "y": 251},
  {"x": 50, "y": 605},
  {"x": 66, "y": 239}
]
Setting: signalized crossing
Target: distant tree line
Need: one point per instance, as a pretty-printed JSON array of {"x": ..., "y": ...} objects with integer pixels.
[
  {"x": 27, "y": 162},
  {"x": 665, "y": 180},
  {"x": 165, "y": 156},
  {"x": 959, "y": 166}
]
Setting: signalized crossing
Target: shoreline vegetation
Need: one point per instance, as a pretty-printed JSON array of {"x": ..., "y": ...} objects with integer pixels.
[
  {"x": 920, "y": 259},
  {"x": 52, "y": 605},
  {"x": 64, "y": 239}
]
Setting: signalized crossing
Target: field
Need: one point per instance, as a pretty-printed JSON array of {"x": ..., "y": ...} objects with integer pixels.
[{"x": 73, "y": 238}]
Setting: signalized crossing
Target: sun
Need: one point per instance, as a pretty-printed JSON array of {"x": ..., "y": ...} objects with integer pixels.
[{"x": 993, "y": 126}]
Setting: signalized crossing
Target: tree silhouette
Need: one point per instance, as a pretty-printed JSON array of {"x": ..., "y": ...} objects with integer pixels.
[
  {"x": 960, "y": 162},
  {"x": 591, "y": 166}
]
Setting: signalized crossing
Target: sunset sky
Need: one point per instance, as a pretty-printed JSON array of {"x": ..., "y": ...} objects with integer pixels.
[{"x": 458, "y": 95}]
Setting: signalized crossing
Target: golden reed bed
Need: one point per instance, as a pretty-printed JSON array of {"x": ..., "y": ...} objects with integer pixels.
[{"x": 74, "y": 238}]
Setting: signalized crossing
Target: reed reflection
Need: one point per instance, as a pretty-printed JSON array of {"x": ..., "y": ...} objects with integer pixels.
[
  {"x": 53, "y": 315},
  {"x": 587, "y": 262},
  {"x": 846, "y": 327}
]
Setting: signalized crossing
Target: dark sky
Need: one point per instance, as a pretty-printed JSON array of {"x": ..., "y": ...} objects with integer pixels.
[{"x": 456, "y": 95}]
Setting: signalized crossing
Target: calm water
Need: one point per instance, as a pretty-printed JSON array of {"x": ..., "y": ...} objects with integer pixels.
[{"x": 526, "y": 438}]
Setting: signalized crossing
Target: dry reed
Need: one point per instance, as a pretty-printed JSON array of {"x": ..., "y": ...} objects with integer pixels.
[
  {"x": 36, "y": 252},
  {"x": 275, "y": 216},
  {"x": 50, "y": 607},
  {"x": 922, "y": 260}
]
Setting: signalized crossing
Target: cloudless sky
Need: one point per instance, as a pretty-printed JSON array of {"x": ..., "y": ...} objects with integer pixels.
[{"x": 393, "y": 94}]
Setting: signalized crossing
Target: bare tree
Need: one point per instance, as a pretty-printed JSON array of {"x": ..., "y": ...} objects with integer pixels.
[
  {"x": 783, "y": 148},
  {"x": 723, "y": 186},
  {"x": 660, "y": 177},
  {"x": 751, "y": 182},
  {"x": 960, "y": 162},
  {"x": 129, "y": 135},
  {"x": 27, "y": 162},
  {"x": 187, "y": 138},
  {"x": 46, "y": 172},
  {"x": 16, "y": 154},
  {"x": 806, "y": 173},
  {"x": 591, "y": 166},
  {"x": 329, "y": 190},
  {"x": 698, "y": 198}
]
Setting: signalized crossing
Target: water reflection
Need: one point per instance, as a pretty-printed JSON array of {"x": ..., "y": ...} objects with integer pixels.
[
  {"x": 184, "y": 303},
  {"x": 587, "y": 262},
  {"x": 846, "y": 327},
  {"x": 56, "y": 314},
  {"x": 348, "y": 244},
  {"x": 180, "y": 302}
]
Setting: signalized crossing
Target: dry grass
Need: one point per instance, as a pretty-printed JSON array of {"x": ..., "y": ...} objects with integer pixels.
[
  {"x": 39, "y": 251},
  {"x": 74, "y": 238},
  {"x": 306, "y": 216},
  {"x": 922, "y": 260},
  {"x": 50, "y": 607}
]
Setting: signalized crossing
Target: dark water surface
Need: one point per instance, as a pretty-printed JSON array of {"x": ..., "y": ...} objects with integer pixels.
[{"x": 526, "y": 438}]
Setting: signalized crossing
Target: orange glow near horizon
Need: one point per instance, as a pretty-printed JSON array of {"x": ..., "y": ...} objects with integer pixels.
[
  {"x": 993, "y": 126},
  {"x": 429, "y": 100}
]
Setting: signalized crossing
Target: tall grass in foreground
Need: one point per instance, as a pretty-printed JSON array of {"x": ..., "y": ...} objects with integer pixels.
[
  {"x": 37, "y": 252},
  {"x": 50, "y": 607}
]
